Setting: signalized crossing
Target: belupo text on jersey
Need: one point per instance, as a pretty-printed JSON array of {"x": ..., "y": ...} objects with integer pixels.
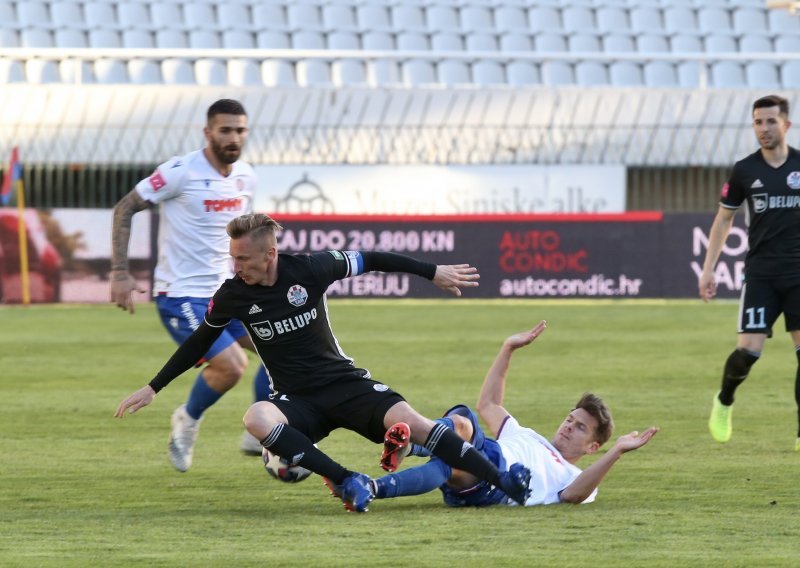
[{"x": 267, "y": 329}]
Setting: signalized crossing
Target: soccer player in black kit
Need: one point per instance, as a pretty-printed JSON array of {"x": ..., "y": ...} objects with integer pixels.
[
  {"x": 767, "y": 182},
  {"x": 316, "y": 388}
]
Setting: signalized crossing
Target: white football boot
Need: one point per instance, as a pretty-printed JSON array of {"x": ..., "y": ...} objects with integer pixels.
[
  {"x": 182, "y": 438},
  {"x": 250, "y": 444}
]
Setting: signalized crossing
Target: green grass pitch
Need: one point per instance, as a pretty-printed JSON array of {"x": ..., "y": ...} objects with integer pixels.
[{"x": 79, "y": 488}]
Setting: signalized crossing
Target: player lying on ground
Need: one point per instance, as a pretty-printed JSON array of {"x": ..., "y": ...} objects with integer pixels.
[{"x": 554, "y": 476}]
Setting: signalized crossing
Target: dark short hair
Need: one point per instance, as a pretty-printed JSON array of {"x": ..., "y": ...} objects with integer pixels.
[
  {"x": 772, "y": 101},
  {"x": 595, "y": 406},
  {"x": 225, "y": 106},
  {"x": 256, "y": 225}
]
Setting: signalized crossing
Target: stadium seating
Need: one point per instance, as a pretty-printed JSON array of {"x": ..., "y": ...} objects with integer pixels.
[{"x": 504, "y": 36}]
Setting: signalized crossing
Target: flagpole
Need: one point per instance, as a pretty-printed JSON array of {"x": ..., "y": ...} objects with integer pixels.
[{"x": 23, "y": 245}]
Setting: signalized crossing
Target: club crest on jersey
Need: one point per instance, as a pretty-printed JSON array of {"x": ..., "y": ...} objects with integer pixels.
[
  {"x": 793, "y": 180},
  {"x": 380, "y": 387},
  {"x": 297, "y": 295},
  {"x": 263, "y": 330},
  {"x": 759, "y": 203}
]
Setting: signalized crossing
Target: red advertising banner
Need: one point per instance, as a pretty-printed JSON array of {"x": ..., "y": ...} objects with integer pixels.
[
  {"x": 627, "y": 255},
  {"x": 525, "y": 256}
]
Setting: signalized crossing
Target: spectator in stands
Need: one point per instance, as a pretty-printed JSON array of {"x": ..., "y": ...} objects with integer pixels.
[
  {"x": 767, "y": 182},
  {"x": 318, "y": 389},
  {"x": 555, "y": 477},
  {"x": 197, "y": 195}
]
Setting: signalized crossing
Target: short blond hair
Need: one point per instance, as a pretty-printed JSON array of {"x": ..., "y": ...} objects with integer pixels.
[{"x": 257, "y": 225}]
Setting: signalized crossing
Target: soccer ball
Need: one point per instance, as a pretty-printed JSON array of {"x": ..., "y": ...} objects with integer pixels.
[{"x": 281, "y": 469}]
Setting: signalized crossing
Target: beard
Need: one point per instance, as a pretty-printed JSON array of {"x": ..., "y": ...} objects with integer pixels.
[{"x": 226, "y": 155}]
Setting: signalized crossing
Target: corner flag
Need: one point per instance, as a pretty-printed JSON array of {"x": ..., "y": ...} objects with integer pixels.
[{"x": 12, "y": 175}]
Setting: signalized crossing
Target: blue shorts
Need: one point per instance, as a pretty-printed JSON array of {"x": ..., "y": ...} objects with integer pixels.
[{"x": 181, "y": 316}]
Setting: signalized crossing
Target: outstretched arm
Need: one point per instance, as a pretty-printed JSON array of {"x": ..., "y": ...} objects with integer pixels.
[
  {"x": 449, "y": 277},
  {"x": 590, "y": 478},
  {"x": 187, "y": 355},
  {"x": 490, "y": 400},
  {"x": 706, "y": 284},
  {"x": 122, "y": 283}
]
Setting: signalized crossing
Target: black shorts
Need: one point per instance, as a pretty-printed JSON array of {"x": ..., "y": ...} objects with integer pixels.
[
  {"x": 354, "y": 403},
  {"x": 762, "y": 301}
]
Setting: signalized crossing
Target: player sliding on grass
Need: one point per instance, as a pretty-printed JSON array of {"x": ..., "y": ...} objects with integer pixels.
[
  {"x": 280, "y": 299},
  {"x": 554, "y": 476}
]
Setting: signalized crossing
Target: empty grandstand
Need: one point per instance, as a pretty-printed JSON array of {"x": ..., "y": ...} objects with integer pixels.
[{"x": 92, "y": 87}]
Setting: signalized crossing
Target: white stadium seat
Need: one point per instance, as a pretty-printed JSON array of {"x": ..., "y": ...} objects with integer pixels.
[
  {"x": 343, "y": 40},
  {"x": 453, "y": 72},
  {"x": 646, "y": 19},
  {"x": 727, "y": 74},
  {"x": 210, "y": 72},
  {"x": 198, "y": 16},
  {"x": 510, "y": 19},
  {"x": 111, "y": 71},
  {"x": 750, "y": 21},
  {"x": 784, "y": 23},
  {"x": 651, "y": 43},
  {"x": 373, "y": 18},
  {"x": 138, "y": 39},
  {"x": 443, "y": 19},
  {"x": 275, "y": 72},
  {"x": 689, "y": 74},
  {"x": 550, "y": 42},
  {"x": 660, "y": 74},
  {"x": 446, "y": 42},
  {"x": 716, "y": 43},
  {"x": 269, "y": 17},
  {"x": 584, "y": 43},
  {"x": 67, "y": 14},
  {"x": 612, "y": 20},
  {"x": 557, "y": 73},
  {"x": 339, "y": 18},
  {"x": 33, "y": 15},
  {"x": 171, "y": 39},
  {"x": 617, "y": 43},
  {"x": 166, "y": 16},
  {"x": 9, "y": 38},
  {"x": 8, "y": 20},
  {"x": 144, "y": 71},
  {"x": 11, "y": 71},
  {"x": 383, "y": 73},
  {"x": 476, "y": 19},
  {"x": 303, "y": 17},
  {"x": 686, "y": 44},
  {"x": 577, "y": 19},
  {"x": 515, "y": 42},
  {"x": 34, "y": 37},
  {"x": 75, "y": 71},
  {"x": 790, "y": 74},
  {"x": 755, "y": 44},
  {"x": 268, "y": 39},
  {"x": 243, "y": 72},
  {"x": 522, "y": 73},
  {"x": 67, "y": 37},
  {"x": 41, "y": 71},
  {"x": 348, "y": 73},
  {"x": 591, "y": 74},
  {"x": 713, "y": 20},
  {"x": 625, "y": 74},
  {"x": 234, "y": 17},
  {"x": 544, "y": 19},
  {"x": 408, "y": 18},
  {"x": 412, "y": 42},
  {"x": 106, "y": 38},
  {"x": 377, "y": 41},
  {"x": 418, "y": 73},
  {"x": 787, "y": 44},
  {"x": 100, "y": 15},
  {"x": 238, "y": 39},
  {"x": 133, "y": 15},
  {"x": 177, "y": 72},
  {"x": 762, "y": 75},
  {"x": 305, "y": 39},
  {"x": 488, "y": 73},
  {"x": 680, "y": 20},
  {"x": 204, "y": 39}
]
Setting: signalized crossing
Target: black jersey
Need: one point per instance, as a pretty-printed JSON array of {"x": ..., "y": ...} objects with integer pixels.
[
  {"x": 772, "y": 208},
  {"x": 288, "y": 322}
]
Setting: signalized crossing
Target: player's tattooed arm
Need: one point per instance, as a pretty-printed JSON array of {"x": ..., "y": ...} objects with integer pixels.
[
  {"x": 122, "y": 283},
  {"x": 124, "y": 211}
]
